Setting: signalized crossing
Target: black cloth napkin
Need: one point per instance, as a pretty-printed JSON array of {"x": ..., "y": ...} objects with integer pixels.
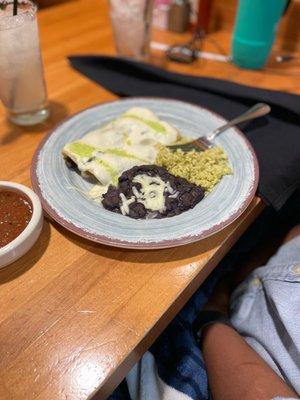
[{"x": 275, "y": 138}]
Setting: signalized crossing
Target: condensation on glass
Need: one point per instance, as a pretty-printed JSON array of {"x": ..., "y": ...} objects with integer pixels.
[
  {"x": 131, "y": 23},
  {"x": 22, "y": 84}
]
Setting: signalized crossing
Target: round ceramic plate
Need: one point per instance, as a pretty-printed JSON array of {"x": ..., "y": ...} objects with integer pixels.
[{"x": 57, "y": 185}]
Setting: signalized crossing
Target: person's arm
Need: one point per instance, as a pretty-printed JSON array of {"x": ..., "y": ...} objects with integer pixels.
[{"x": 235, "y": 371}]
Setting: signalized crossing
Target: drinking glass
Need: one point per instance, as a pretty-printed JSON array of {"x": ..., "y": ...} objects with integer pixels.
[
  {"x": 131, "y": 22},
  {"x": 22, "y": 84}
]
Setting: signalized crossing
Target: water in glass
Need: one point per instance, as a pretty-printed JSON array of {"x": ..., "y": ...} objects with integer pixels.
[{"x": 22, "y": 85}]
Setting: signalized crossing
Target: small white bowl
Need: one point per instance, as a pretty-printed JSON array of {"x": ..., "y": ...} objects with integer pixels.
[{"x": 22, "y": 243}]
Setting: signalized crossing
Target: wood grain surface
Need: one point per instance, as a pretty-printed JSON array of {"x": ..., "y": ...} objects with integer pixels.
[{"x": 74, "y": 316}]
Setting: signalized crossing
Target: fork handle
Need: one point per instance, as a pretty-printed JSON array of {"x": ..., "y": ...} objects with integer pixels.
[{"x": 258, "y": 110}]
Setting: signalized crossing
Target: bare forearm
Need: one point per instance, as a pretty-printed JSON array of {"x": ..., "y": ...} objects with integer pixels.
[{"x": 235, "y": 370}]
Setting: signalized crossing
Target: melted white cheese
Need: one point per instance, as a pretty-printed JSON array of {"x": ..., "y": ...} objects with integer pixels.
[
  {"x": 152, "y": 192},
  {"x": 97, "y": 192},
  {"x": 126, "y": 203}
]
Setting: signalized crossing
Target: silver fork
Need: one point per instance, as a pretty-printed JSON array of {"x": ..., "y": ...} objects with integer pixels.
[{"x": 207, "y": 141}]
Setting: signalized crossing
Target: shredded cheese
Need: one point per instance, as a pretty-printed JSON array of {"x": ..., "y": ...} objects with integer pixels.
[
  {"x": 126, "y": 203},
  {"x": 152, "y": 192}
]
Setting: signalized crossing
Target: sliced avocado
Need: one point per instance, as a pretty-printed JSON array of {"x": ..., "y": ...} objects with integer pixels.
[{"x": 157, "y": 126}]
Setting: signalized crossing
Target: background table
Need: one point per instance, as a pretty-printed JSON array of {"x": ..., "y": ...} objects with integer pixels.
[{"x": 75, "y": 316}]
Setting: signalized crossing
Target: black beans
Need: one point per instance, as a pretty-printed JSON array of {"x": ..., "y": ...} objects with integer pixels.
[{"x": 184, "y": 196}]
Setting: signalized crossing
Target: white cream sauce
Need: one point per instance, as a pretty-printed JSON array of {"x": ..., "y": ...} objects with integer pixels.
[
  {"x": 97, "y": 192},
  {"x": 136, "y": 132}
]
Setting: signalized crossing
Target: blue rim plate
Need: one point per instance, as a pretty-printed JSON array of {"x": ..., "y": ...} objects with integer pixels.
[{"x": 57, "y": 186}]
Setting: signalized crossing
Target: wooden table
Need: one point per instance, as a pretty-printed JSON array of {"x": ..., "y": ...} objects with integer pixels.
[{"x": 75, "y": 316}]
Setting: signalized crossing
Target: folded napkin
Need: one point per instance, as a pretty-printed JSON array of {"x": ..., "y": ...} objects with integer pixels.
[{"x": 275, "y": 138}]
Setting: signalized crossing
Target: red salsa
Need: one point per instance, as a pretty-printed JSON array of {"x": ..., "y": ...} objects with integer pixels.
[{"x": 15, "y": 214}]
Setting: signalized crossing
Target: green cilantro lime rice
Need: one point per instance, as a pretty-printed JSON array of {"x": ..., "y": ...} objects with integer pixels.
[{"x": 204, "y": 169}]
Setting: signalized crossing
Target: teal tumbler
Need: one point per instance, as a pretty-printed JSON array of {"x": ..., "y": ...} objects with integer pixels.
[{"x": 255, "y": 31}]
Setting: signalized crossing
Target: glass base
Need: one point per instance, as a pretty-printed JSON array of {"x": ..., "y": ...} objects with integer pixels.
[{"x": 29, "y": 118}]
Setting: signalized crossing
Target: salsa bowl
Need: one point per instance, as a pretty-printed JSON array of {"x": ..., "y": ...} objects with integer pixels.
[{"x": 19, "y": 245}]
